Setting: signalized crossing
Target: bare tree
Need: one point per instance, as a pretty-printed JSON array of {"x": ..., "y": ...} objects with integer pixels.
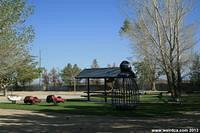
[
  {"x": 54, "y": 77},
  {"x": 95, "y": 64},
  {"x": 147, "y": 73},
  {"x": 159, "y": 33},
  {"x": 112, "y": 65}
]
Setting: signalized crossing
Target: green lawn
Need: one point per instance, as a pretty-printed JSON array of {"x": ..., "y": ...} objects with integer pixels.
[{"x": 150, "y": 106}]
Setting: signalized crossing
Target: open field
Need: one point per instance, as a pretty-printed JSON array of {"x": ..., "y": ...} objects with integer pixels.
[{"x": 77, "y": 115}]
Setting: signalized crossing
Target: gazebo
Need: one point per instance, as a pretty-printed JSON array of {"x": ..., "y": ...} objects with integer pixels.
[
  {"x": 98, "y": 73},
  {"x": 124, "y": 91}
]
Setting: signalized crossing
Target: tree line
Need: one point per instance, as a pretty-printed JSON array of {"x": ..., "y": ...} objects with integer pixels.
[
  {"x": 58, "y": 78},
  {"x": 66, "y": 76}
]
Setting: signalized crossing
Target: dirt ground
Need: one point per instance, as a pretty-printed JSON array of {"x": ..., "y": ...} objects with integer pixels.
[{"x": 20, "y": 121}]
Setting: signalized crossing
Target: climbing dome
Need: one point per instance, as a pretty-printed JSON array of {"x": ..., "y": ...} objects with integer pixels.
[{"x": 125, "y": 92}]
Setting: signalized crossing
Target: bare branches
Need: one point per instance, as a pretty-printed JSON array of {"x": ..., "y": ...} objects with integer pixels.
[{"x": 160, "y": 33}]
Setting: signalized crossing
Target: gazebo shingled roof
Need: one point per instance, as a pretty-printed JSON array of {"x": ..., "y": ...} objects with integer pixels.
[{"x": 99, "y": 73}]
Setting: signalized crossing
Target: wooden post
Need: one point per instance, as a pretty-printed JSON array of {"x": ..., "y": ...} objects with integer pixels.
[
  {"x": 88, "y": 87},
  {"x": 105, "y": 87}
]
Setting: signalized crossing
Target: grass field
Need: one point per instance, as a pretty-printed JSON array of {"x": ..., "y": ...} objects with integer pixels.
[{"x": 150, "y": 106}]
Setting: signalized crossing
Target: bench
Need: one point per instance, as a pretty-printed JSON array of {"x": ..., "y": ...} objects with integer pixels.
[{"x": 98, "y": 94}]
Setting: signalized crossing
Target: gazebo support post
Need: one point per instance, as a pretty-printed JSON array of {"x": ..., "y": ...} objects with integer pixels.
[
  {"x": 105, "y": 87},
  {"x": 88, "y": 88}
]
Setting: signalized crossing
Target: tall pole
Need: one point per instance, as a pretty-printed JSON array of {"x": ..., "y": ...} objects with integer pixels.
[{"x": 40, "y": 68}]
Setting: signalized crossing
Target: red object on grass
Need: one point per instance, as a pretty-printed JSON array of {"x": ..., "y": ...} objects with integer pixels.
[
  {"x": 54, "y": 99},
  {"x": 31, "y": 100}
]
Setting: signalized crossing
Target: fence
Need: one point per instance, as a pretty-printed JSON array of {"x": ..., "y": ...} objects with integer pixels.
[{"x": 162, "y": 86}]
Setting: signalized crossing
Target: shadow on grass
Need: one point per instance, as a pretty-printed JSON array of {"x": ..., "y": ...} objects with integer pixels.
[
  {"x": 142, "y": 110},
  {"x": 77, "y": 100},
  {"x": 81, "y": 107}
]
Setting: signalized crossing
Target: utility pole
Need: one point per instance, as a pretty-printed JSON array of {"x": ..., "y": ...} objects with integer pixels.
[{"x": 40, "y": 69}]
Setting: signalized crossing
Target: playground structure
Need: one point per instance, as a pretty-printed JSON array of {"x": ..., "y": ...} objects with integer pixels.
[{"x": 125, "y": 92}]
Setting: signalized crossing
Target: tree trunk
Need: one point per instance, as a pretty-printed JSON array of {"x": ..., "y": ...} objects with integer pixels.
[
  {"x": 179, "y": 80},
  {"x": 171, "y": 85},
  {"x": 46, "y": 87},
  {"x": 153, "y": 86},
  {"x": 5, "y": 92},
  {"x": 178, "y": 70},
  {"x": 74, "y": 84}
]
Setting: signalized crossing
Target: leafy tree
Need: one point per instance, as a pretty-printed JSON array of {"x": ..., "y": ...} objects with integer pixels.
[
  {"x": 69, "y": 73},
  {"x": 195, "y": 70},
  {"x": 14, "y": 35},
  {"x": 159, "y": 33},
  {"x": 27, "y": 72}
]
